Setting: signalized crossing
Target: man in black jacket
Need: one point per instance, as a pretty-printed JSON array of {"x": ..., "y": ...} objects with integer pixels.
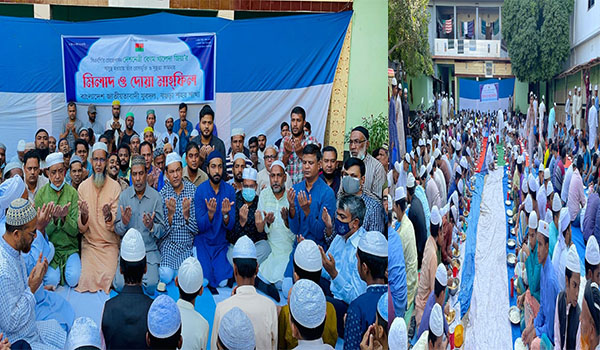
[{"x": 124, "y": 322}]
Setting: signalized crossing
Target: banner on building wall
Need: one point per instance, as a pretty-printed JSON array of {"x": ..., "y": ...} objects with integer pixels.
[
  {"x": 485, "y": 95},
  {"x": 140, "y": 69},
  {"x": 488, "y": 92}
]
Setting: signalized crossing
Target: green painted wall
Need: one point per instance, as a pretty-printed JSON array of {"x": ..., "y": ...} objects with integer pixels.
[
  {"x": 367, "y": 76},
  {"x": 422, "y": 87},
  {"x": 520, "y": 97}
]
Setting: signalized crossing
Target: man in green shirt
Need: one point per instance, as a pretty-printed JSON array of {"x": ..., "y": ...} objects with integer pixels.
[{"x": 62, "y": 230}]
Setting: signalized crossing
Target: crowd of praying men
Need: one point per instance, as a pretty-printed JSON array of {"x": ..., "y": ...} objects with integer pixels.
[{"x": 98, "y": 208}]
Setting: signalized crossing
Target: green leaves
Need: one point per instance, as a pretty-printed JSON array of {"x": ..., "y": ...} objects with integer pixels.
[
  {"x": 408, "y": 42},
  {"x": 378, "y": 131},
  {"x": 537, "y": 36}
]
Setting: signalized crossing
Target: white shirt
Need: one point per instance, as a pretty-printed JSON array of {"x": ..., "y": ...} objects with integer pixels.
[
  {"x": 260, "y": 310},
  {"x": 42, "y": 180},
  {"x": 172, "y": 137},
  {"x": 194, "y": 328},
  {"x": 312, "y": 344},
  {"x": 108, "y": 126}
]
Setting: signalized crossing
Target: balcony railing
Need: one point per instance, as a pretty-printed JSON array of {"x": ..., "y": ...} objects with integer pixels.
[{"x": 469, "y": 48}]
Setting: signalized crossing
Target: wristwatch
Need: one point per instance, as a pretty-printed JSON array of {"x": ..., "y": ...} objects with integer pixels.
[{"x": 226, "y": 216}]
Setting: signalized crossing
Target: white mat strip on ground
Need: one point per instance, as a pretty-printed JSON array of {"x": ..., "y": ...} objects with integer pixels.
[{"x": 488, "y": 326}]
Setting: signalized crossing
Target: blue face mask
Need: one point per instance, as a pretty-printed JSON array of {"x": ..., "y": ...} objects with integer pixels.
[
  {"x": 342, "y": 228},
  {"x": 249, "y": 194},
  {"x": 57, "y": 188}
]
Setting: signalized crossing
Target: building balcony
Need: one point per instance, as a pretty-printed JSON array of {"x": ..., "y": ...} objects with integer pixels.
[{"x": 469, "y": 49}]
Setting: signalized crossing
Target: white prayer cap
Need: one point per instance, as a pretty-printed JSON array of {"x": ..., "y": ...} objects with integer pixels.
[
  {"x": 382, "y": 306},
  {"x": 374, "y": 243},
  {"x": 592, "y": 252},
  {"x": 173, "y": 157},
  {"x": 29, "y": 146},
  {"x": 394, "y": 81},
  {"x": 84, "y": 332},
  {"x": 469, "y": 151},
  {"x": 10, "y": 190},
  {"x": 457, "y": 145},
  {"x": 436, "y": 153},
  {"x": 564, "y": 219},
  {"x": 533, "y": 185},
  {"x": 549, "y": 189},
  {"x": 556, "y": 203},
  {"x": 520, "y": 159},
  {"x": 410, "y": 180},
  {"x": 541, "y": 168},
  {"x": 464, "y": 163},
  {"x": 244, "y": 248},
  {"x": 400, "y": 193},
  {"x": 524, "y": 187},
  {"x": 239, "y": 155},
  {"x": 547, "y": 174},
  {"x": 236, "y": 331},
  {"x": 458, "y": 170},
  {"x": 21, "y": 146},
  {"x": 596, "y": 87},
  {"x": 249, "y": 174},
  {"x": 168, "y": 116},
  {"x": 20, "y": 212},
  {"x": 54, "y": 158},
  {"x": 422, "y": 171},
  {"x": 421, "y": 142},
  {"x": 436, "y": 322},
  {"x": 194, "y": 133},
  {"x": 398, "y": 167},
  {"x": 164, "y": 318},
  {"x": 277, "y": 162},
  {"x": 398, "y": 336},
  {"x": 543, "y": 228},
  {"x": 569, "y": 92},
  {"x": 579, "y": 89},
  {"x": 435, "y": 217},
  {"x": 460, "y": 186},
  {"x": 429, "y": 166},
  {"x": 10, "y": 166},
  {"x": 190, "y": 275},
  {"x": 533, "y": 220},
  {"x": 542, "y": 97},
  {"x": 308, "y": 304},
  {"x": 528, "y": 204},
  {"x": 405, "y": 89},
  {"x": 407, "y": 157},
  {"x": 237, "y": 132},
  {"x": 454, "y": 212},
  {"x": 573, "y": 263},
  {"x": 132, "y": 246},
  {"x": 441, "y": 275},
  {"x": 308, "y": 257},
  {"x": 99, "y": 146},
  {"x": 429, "y": 142}
]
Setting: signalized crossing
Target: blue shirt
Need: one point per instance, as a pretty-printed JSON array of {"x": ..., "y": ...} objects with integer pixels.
[
  {"x": 551, "y": 120},
  {"x": 213, "y": 232},
  {"x": 426, "y": 312},
  {"x": 544, "y": 322},
  {"x": 183, "y": 138},
  {"x": 397, "y": 273},
  {"x": 360, "y": 315},
  {"x": 347, "y": 285},
  {"x": 312, "y": 226},
  {"x": 420, "y": 194}
]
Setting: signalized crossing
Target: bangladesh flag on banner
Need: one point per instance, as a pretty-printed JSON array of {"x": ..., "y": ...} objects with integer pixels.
[{"x": 139, "y": 47}]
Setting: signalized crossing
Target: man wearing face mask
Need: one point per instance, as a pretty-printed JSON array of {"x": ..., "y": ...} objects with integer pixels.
[
  {"x": 248, "y": 219},
  {"x": 375, "y": 177},
  {"x": 352, "y": 183},
  {"x": 62, "y": 230}
]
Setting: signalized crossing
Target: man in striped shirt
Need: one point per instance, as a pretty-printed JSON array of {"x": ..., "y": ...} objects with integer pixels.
[{"x": 291, "y": 152}]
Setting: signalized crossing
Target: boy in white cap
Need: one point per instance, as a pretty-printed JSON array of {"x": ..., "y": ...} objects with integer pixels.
[
  {"x": 260, "y": 309},
  {"x": 555, "y": 210},
  {"x": 436, "y": 297},
  {"x": 529, "y": 285},
  {"x": 180, "y": 224},
  {"x": 124, "y": 323},
  {"x": 194, "y": 328},
  {"x": 398, "y": 337},
  {"x": 85, "y": 334},
  {"x": 17, "y": 300},
  {"x": 566, "y": 316},
  {"x": 63, "y": 230},
  {"x": 372, "y": 255},
  {"x": 307, "y": 315},
  {"x": 592, "y": 261},
  {"x": 236, "y": 331},
  {"x": 429, "y": 265},
  {"x": 164, "y": 324},
  {"x": 561, "y": 249},
  {"x": 376, "y": 336},
  {"x": 307, "y": 265},
  {"x": 432, "y": 338},
  {"x": 542, "y": 330}
]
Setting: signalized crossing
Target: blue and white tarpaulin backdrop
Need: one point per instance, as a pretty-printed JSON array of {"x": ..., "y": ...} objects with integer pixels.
[
  {"x": 263, "y": 68},
  {"x": 485, "y": 95},
  {"x": 139, "y": 69}
]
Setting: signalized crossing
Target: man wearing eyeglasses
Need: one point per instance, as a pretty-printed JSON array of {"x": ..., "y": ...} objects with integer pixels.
[
  {"x": 375, "y": 178},
  {"x": 263, "y": 179}
]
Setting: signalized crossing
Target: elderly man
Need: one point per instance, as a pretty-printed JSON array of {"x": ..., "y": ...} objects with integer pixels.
[
  {"x": 375, "y": 176},
  {"x": 134, "y": 145},
  {"x": 181, "y": 227},
  {"x": 353, "y": 183},
  {"x": 62, "y": 231},
  {"x": 207, "y": 141},
  {"x": 273, "y": 203},
  {"x": 32, "y": 171},
  {"x": 213, "y": 202},
  {"x": 293, "y": 145},
  {"x": 237, "y": 146},
  {"x": 18, "y": 316},
  {"x": 98, "y": 196},
  {"x": 263, "y": 180},
  {"x": 192, "y": 171},
  {"x": 141, "y": 207}
]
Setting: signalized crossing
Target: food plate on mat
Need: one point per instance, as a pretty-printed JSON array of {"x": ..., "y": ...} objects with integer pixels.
[
  {"x": 453, "y": 287},
  {"x": 511, "y": 222},
  {"x": 511, "y": 259},
  {"x": 507, "y": 202},
  {"x": 514, "y": 315},
  {"x": 511, "y": 243},
  {"x": 509, "y": 212},
  {"x": 519, "y": 345},
  {"x": 455, "y": 253},
  {"x": 450, "y": 316}
]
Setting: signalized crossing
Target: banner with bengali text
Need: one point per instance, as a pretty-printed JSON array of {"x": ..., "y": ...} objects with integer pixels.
[{"x": 140, "y": 69}]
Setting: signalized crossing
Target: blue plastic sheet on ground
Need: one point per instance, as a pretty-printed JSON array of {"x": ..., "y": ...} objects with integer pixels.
[{"x": 515, "y": 329}]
